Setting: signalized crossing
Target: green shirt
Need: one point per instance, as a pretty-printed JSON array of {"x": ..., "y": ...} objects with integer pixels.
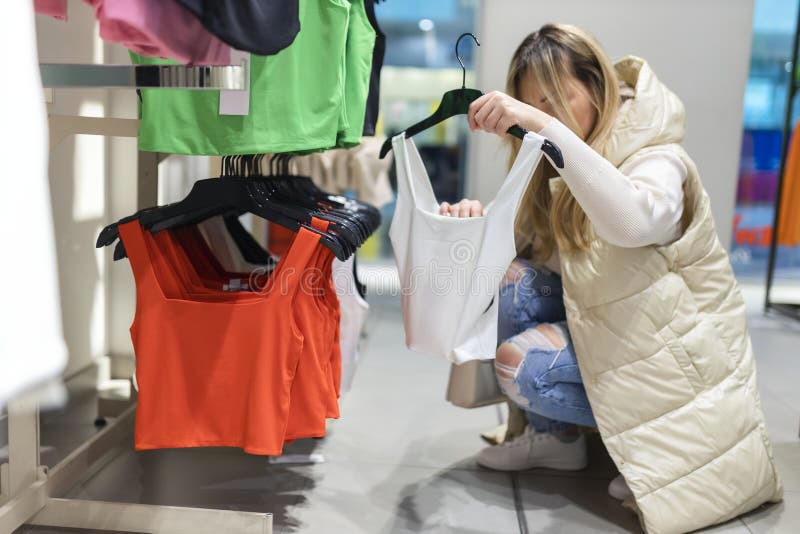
[{"x": 310, "y": 96}]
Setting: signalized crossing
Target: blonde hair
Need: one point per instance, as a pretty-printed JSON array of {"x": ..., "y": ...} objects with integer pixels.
[{"x": 549, "y": 55}]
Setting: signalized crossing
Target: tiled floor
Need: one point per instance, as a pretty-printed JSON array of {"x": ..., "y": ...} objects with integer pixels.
[{"x": 402, "y": 460}]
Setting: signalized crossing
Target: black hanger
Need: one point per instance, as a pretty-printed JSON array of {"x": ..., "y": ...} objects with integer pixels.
[
  {"x": 284, "y": 187},
  {"x": 110, "y": 233},
  {"x": 349, "y": 220},
  {"x": 287, "y": 200},
  {"x": 346, "y": 221},
  {"x": 214, "y": 196},
  {"x": 456, "y": 102}
]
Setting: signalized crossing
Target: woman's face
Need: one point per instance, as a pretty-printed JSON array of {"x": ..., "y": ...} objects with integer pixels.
[{"x": 577, "y": 99}]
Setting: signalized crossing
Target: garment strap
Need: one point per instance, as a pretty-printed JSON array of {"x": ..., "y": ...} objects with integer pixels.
[
  {"x": 412, "y": 178},
  {"x": 529, "y": 156},
  {"x": 287, "y": 275},
  {"x": 168, "y": 271},
  {"x": 413, "y": 181},
  {"x": 131, "y": 234}
]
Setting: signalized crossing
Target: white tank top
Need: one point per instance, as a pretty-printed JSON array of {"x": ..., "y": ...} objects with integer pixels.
[
  {"x": 353, "y": 313},
  {"x": 451, "y": 268}
]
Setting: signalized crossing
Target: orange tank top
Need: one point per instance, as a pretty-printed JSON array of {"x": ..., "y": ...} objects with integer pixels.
[
  {"x": 216, "y": 371},
  {"x": 313, "y": 397},
  {"x": 314, "y": 394}
]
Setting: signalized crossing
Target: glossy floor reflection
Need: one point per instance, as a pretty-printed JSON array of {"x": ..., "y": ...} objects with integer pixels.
[{"x": 401, "y": 460}]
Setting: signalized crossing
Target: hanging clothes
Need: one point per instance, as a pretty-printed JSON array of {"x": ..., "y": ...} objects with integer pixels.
[
  {"x": 32, "y": 349},
  {"x": 224, "y": 246},
  {"x": 262, "y": 27},
  {"x": 789, "y": 210},
  {"x": 369, "y": 174},
  {"x": 378, "y": 53},
  {"x": 216, "y": 368},
  {"x": 352, "y": 308},
  {"x": 212, "y": 273},
  {"x": 358, "y": 73},
  {"x": 358, "y": 170},
  {"x": 159, "y": 28},
  {"x": 309, "y": 97},
  {"x": 248, "y": 246},
  {"x": 450, "y": 268},
  {"x": 314, "y": 392},
  {"x": 241, "y": 359},
  {"x": 353, "y": 311},
  {"x": 321, "y": 168}
]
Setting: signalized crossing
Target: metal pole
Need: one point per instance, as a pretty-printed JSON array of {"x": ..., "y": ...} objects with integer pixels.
[
  {"x": 147, "y": 181},
  {"x": 787, "y": 131}
]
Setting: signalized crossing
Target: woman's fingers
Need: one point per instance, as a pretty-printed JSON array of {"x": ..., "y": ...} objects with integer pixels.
[
  {"x": 496, "y": 112},
  {"x": 475, "y": 210},
  {"x": 463, "y": 208},
  {"x": 485, "y": 105},
  {"x": 493, "y": 119},
  {"x": 474, "y": 108},
  {"x": 471, "y": 118}
]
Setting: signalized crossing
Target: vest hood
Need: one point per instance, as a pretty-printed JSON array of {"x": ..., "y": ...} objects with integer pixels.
[{"x": 653, "y": 116}]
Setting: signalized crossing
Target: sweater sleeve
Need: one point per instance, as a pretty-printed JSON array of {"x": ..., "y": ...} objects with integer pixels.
[{"x": 641, "y": 208}]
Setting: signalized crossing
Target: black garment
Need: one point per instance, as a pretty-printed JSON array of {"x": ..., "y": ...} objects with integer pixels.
[
  {"x": 263, "y": 27},
  {"x": 251, "y": 251},
  {"x": 373, "y": 97}
]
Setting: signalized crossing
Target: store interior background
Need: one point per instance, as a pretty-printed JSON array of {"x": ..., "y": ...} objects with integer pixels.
[{"x": 732, "y": 79}]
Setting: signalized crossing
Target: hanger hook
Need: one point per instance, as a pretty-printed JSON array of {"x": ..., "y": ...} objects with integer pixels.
[{"x": 458, "y": 56}]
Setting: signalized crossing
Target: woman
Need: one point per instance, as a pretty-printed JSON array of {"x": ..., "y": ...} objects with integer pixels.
[{"x": 646, "y": 340}]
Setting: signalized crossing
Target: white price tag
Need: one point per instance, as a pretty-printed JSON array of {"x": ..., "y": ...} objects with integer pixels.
[{"x": 236, "y": 102}]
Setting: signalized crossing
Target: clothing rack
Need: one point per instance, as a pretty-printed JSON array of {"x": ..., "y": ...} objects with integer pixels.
[
  {"x": 789, "y": 309},
  {"x": 31, "y": 493},
  {"x": 230, "y": 77}
]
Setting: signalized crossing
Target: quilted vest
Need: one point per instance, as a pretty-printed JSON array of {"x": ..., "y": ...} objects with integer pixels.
[{"x": 662, "y": 345}]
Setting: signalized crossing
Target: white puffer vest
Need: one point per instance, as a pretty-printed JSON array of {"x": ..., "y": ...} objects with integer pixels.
[{"x": 663, "y": 349}]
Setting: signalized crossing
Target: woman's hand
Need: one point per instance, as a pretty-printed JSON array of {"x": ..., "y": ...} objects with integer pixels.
[
  {"x": 496, "y": 112},
  {"x": 464, "y": 208}
]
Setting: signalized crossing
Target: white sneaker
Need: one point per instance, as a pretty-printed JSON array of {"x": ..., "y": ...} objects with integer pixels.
[
  {"x": 619, "y": 489},
  {"x": 533, "y": 449}
]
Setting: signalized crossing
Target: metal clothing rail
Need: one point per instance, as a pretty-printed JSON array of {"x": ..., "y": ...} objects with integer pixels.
[
  {"x": 31, "y": 493},
  {"x": 227, "y": 77},
  {"x": 789, "y": 309}
]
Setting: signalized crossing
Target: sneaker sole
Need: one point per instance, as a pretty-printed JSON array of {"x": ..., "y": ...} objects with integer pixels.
[{"x": 556, "y": 466}]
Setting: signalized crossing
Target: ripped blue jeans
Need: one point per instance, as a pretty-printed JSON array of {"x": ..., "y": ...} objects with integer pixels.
[{"x": 547, "y": 383}]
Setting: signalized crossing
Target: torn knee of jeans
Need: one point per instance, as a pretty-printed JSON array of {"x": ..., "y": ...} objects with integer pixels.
[
  {"x": 509, "y": 385},
  {"x": 505, "y": 372},
  {"x": 507, "y": 360},
  {"x": 542, "y": 336},
  {"x": 555, "y": 334}
]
